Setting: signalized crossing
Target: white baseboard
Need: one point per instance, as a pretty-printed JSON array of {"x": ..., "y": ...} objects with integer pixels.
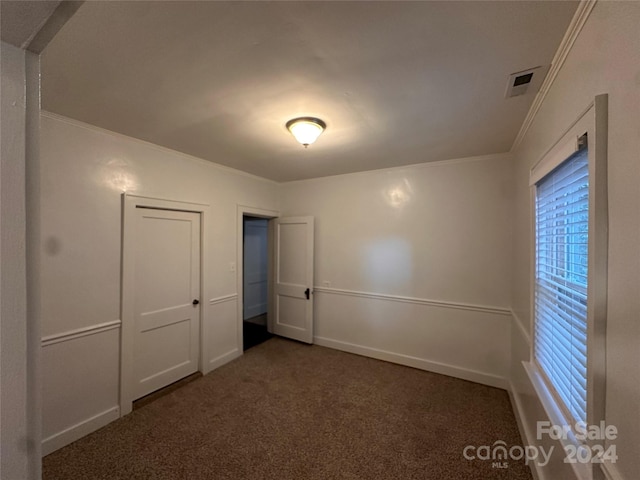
[
  {"x": 79, "y": 430},
  {"x": 255, "y": 310},
  {"x": 415, "y": 362},
  {"x": 525, "y": 433},
  {"x": 221, "y": 360}
]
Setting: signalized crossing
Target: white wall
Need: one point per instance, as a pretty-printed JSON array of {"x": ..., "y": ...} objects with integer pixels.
[
  {"x": 84, "y": 172},
  {"x": 416, "y": 265},
  {"x": 19, "y": 400},
  {"x": 412, "y": 264},
  {"x": 604, "y": 59}
]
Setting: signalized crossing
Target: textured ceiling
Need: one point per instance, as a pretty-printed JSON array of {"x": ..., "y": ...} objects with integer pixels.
[{"x": 397, "y": 83}]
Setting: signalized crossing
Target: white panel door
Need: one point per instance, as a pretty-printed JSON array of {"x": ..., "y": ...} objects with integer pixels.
[
  {"x": 167, "y": 294},
  {"x": 293, "y": 305}
]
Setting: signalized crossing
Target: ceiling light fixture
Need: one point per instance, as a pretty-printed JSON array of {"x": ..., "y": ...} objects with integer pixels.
[{"x": 306, "y": 129}]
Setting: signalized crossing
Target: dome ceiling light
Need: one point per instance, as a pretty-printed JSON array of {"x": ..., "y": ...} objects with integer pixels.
[{"x": 306, "y": 130}]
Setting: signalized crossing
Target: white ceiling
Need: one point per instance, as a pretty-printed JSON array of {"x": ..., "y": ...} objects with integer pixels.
[
  {"x": 397, "y": 83},
  {"x": 20, "y": 21}
]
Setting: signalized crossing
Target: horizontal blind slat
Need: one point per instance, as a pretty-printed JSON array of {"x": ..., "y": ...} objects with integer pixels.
[{"x": 560, "y": 329}]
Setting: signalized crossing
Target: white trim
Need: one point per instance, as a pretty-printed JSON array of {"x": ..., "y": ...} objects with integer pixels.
[
  {"x": 610, "y": 471},
  {"x": 523, "y": 331},
  {"x": 256, "y": 310},
  {"x": 553, "y": 159},
  {"x": 241, "y": 211},
  {"x": 222, "y": 299},
  {"x": 165, "y": 203},
  {"x": 552, "y": 410},
  {"x": 202, "y": 161},
  {"x": 34, "y": 256},
  {"x": 258, "y": 212},
  {"x": 566, "y": 146},
  {"x": 575, "y": 27},
  {"x": 129, "y": 205},
  {"x": 223, "y": 359},
  {"x": 418, "y": 301},
  {"x": 436, "y": 163},
  {"x": 525, "y": 432},
  {"x": 79, "y": 430},
  {"x": 597, "y": 295},
  {"x": 415, "y": 362},
  {"x": 556, "y": 416},
  {"x": 80, "y": 332}
]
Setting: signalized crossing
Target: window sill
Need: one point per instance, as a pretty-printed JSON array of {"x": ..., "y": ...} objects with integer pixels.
[{"x": 583, "y": 471}]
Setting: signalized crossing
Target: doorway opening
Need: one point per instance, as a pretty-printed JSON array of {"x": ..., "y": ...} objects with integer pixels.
[
  {"x": 286, "y": 254},
  {"x": 255, "y": 281}
]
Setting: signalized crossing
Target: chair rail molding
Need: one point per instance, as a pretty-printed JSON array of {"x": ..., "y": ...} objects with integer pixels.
[
  {"x": 80, "y": 332},
  {"x": 223, "y": 299},
  {"x": 415, "y": 300}
]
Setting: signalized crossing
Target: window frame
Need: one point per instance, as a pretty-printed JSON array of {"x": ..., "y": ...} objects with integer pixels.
[{"x": 593, "y": 122}]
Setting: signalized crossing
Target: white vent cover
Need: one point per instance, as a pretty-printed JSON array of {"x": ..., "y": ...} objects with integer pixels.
[{"x": 526, "y": 81}]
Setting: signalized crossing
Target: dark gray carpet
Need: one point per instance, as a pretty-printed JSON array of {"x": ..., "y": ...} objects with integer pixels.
[{"x": 285, "y": 410}]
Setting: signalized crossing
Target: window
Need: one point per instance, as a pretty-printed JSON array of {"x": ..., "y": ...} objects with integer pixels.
[
  {"x": 561, "y": 280},
  {"x": 569, "y": 277}
]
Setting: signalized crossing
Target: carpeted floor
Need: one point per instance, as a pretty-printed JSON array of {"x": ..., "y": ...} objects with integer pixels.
[{"x": 285, "y": 410}]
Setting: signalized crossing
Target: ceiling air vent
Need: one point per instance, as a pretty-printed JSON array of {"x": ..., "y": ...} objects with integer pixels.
[{"x": 526, "y": 81}]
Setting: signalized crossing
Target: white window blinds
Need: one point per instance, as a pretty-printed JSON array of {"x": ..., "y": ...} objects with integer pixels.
[{"x": 562, "y": 220}]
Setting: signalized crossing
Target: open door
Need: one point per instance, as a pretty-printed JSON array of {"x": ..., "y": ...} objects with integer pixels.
[{"x": 293, "y": 282}]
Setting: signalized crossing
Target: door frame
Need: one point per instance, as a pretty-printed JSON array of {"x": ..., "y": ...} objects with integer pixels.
[
  {"x": 242, "y": 211},
  {"x": 127, "y": 312}
]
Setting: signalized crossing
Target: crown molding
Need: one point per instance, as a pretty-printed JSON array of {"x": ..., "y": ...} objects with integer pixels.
[{"x": 575, "y": 27}]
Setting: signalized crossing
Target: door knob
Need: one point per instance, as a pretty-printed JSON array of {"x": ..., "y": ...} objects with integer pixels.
[
  {"x": 196, "y": 301},
  {"x": 306, "y": 293}
]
